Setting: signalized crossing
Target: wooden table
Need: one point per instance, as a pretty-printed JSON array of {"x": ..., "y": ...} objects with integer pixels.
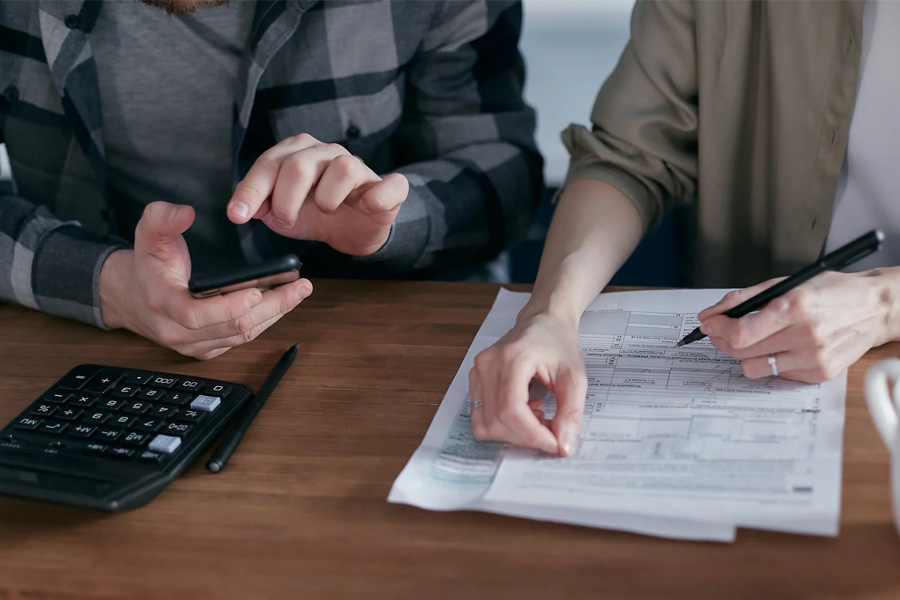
[{"x": 301, "y": 510}]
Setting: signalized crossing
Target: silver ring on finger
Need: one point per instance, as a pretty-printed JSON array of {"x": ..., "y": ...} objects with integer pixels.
[
  {"x": 773, "y": 364},
  {"x": 476, "y": 403}
]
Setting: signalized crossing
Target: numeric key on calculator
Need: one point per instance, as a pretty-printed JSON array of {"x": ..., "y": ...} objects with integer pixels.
[
  {"x": 152, "y": 394},
  {"x": 166, "y": 412},
  {"x": 96, "y": 417},
  {"x": 148, "y": 424},
  {"x": 190, "y": 385},
  {"x": 219, "y": 389},
  {"x": 136, "y": 407},
  {"x": 125, "y": 391},
  {"x": 110, "y": 404},
  {"x": 163, "y": 382},
  {"x": 177, "y": 398}
]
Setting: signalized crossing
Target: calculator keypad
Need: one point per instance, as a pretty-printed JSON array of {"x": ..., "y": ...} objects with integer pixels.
[{"x": 120, "y": 414}]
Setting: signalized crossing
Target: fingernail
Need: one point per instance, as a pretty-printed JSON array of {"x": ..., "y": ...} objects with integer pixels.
[
  {"x": 253, "y": 299},
  {"x": 704, "y": 328},
  {"x": 282, "y": 223},
  {"x": 303, "y": 292},
  {"x": 173, "y": 214},
  {"x": 240, "y": 210}
]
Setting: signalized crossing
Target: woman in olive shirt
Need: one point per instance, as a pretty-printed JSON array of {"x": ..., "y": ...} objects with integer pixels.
[{"x": 743, "y": 109}]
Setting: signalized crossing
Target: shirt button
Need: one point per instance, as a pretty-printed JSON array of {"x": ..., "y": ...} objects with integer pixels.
[
  {"x": 72, "y": 21},
  {"x": 11, "y": 94},
  {"x": 353, "y": 132}
]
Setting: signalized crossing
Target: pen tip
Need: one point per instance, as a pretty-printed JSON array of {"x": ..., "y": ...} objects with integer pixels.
[{"x": 679, "y": 343}]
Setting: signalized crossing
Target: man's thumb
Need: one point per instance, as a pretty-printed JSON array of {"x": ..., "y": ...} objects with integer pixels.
[{"x": 160, "y": 227}]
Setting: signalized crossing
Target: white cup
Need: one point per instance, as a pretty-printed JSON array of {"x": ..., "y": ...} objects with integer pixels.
[{"x": 883, "y": 404}]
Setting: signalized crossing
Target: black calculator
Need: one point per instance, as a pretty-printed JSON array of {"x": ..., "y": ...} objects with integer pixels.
[{"x": 110, "y": 438}]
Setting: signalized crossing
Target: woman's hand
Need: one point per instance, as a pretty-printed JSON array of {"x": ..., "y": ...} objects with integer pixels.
[
  {"x": 815, "y": 331},
  {"x": 543, "y": 348}
]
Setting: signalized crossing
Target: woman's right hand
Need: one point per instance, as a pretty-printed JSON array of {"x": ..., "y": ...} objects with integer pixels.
[{"x": 542, "y": 347}]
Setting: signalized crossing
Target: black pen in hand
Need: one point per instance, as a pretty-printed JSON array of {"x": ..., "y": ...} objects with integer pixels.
[
  {"x": 833, "y": 261},
  {"x": 232, "y": 439}
]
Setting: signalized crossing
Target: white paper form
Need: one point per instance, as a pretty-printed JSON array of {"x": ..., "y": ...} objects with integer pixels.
[
  {"x": 680, "y": 432},
  {"x": 451, "y": 470}
]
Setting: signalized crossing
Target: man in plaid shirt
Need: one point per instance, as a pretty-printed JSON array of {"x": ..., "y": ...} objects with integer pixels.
[{"x": 377, "y": 138}]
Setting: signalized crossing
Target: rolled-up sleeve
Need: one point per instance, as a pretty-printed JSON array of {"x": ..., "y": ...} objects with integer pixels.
[{"x": 644, "y": 133}]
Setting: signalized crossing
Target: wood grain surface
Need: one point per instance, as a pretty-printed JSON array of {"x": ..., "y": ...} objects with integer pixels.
[{"x": 301, "y": 510}]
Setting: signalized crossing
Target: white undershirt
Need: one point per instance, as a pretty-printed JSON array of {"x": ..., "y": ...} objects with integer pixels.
[{"x": 868, "y": 194}]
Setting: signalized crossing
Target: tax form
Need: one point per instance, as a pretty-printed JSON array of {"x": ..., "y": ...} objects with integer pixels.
[{"x": 675, "y": 441}]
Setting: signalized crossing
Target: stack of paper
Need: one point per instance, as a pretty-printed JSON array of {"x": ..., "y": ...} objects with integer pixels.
[{"x": 675, "y": 441}]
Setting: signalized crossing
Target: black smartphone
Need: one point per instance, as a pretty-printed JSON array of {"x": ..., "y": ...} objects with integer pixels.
[{"x": 264, "y": 276}]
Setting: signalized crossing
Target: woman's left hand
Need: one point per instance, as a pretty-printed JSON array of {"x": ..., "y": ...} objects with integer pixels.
[{"x": 815, "y": 331}]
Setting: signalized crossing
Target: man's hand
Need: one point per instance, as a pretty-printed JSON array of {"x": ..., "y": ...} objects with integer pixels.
[
  {"x": 146, "y": 290},
  {"x": 542, "y": 348},
  {"x": 307, "y": 190},
  {"x": 815, "y": 331}
]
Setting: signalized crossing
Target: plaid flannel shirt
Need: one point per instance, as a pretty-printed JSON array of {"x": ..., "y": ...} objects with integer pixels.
[{"x": 430, "y": 89}]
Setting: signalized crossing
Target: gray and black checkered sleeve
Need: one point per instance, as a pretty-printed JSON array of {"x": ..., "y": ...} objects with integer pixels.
[
  {"x": 48, "y": 264},
  {"x": 467, "y": 138}
]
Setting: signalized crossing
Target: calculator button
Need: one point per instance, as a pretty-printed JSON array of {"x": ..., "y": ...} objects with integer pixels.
[
  {"x": 77, "y": 378},
  {"x": 163, "y": 382},
  {"x": 150, "y": 457},
  {"x": 151, "y": 394},
  {"x": 53, "y": 427},
  {"x": 179, "y": 429},
  {"x": 191, "y": 416},
  {"x": 125, "y": 391},
  {"x": 43, "y": 410},
  {"x": 28, "y": 423},
  {"x": 83, "y": 400},
  {"x": 122, "y": 420},
  {"x": 96, "y": 417},
  {"x": 69, "y": 414},
  {"x": 166, "y": 412},
  {"x": 121, "y": 452},
  {"x": 108, "y": 434},
  {"x": 111, "y": 404},
  {"x": 102, "y": 381},
  {"x": 134, "y": 438},
  {"x": 138, "y": 378},
  {"x": 57, "y": 397},
  {"x": 82, "y": 431},
  {"x": 150, "y": 425},
  {"x": 219, "y": 389},
  {"x": 206, "y": 403},
  {"x": 95, "y": 448},
  {"x": 190, "y": 385},
  {"x": 165, "y": 444},
  {"x": 137, "y": 407},
  {"x": 178, "y": 398}
]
